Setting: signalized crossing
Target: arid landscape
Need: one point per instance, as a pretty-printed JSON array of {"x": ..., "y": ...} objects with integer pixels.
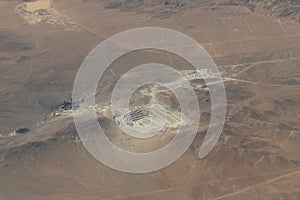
[{"x": 256, "y": 46}]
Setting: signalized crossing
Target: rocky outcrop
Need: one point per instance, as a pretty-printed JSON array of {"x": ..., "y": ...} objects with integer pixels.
[{"x": 287, "y": 9}]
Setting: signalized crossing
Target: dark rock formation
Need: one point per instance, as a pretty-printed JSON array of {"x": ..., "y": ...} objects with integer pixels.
[
  {"x": 22, "y": 131},
  {"x": 287, "y": 9}
]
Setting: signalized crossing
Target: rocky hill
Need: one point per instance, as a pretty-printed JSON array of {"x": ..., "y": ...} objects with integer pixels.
[
  {"x": 284, "y": 9},
  {"x": 288, "y": 9}
]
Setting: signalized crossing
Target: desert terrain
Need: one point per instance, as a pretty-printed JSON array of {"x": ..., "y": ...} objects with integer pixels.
[{"x": 256, "y": 46}]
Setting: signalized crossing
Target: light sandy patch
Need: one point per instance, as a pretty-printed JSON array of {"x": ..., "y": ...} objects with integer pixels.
[{"x": 42, "y": 11}]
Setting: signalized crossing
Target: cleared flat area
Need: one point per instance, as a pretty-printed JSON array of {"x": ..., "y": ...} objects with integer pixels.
[{"x": 257, "y": 156}]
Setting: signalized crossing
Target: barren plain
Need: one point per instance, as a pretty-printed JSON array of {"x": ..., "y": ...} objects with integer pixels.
[{"x": 256, "y": 46}]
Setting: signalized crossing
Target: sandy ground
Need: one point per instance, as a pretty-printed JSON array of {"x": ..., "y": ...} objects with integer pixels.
[{"x": 256, "y": 158}]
